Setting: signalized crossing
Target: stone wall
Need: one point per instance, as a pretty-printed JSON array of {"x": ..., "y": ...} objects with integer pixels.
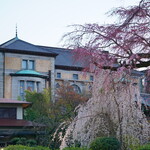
[{"x": 1, "y": 74}]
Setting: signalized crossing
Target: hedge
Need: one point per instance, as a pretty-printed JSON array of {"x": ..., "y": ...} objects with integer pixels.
[
  {"x": 75, "y": 148},
  {"x": 143, "y": 147},
  {"x": 105, "y": 143},
  {"x": 22, "y": 147}
]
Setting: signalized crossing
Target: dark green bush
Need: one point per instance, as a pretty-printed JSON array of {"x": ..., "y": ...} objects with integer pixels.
[
  {"x": 17, "y": 147},
  {"x": 40, "y": 148},
  {"x": 22, "y": 147},
  {"x": 15, "y": 140},
  {"x": 75, "y": 148},
  {"x": 19, "y": 141},
  {"x": 23, "y": 141},
  {"x": 31, "y": 142},
  {"x": 143, "y": 147},
  {"x": 105, "y": 143}
]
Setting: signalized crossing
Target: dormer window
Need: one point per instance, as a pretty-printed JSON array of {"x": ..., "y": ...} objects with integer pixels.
[{"x": 28, "y": 64}]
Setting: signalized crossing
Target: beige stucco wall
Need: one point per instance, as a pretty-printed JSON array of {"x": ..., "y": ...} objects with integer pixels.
[
  {"x": 43, "y": 65},
  {"x": 66, "y": 75},
  {"x": 12, "y": 63},
  {"x": 8, "y": 88},
  {"x": 15, "y": 63},
  {"x": 69, "y": 75},
  {"x": 84, "y": 77}
]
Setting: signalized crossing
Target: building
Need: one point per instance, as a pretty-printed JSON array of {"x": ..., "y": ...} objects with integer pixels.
[
  {"x": 11, "y": 120},
  {"x": 24, "y": 66}
]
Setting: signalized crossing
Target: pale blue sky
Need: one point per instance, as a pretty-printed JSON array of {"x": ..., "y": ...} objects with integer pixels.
[{"x": 43, "y": 22}]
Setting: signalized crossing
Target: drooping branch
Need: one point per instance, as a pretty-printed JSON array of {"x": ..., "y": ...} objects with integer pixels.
[{"x": 127, "y": 42}]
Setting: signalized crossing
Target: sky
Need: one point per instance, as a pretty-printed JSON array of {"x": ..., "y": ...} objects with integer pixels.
[{"x": 44, "y": 22}]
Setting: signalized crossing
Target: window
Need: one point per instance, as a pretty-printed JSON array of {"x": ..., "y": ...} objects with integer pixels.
[
  {"x": 91, "y": 78},
  {"x": 28, "y": 64},
  {"x": 75, "y": 76},
  {"x": 76, "y": 88},
  {"x": 59, "y": 75},
  {"x": 22, "y": 88},
  {"x": 24, "y": 64},
  {"x": 38, "y": 86},
  {"x": 31, "y": 65},
  {"x": 30, "y": 85},
  {"x": 8, "y": 113}
]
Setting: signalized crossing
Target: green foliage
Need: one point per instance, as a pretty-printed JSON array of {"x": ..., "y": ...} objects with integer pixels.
[
  {"x": 40, "y": 148},
  {"x": 75, "y": 148},
  {"x": 130, "y": 142},
  {"x": 40, "y": 112},
  {"x": 31, "y": 142},
  {"x": 15, "y": 140},
  {"x": 68, "y": 100},
  {"x": 23, "y": 141},
  {"x": 22, "y": 147},
  {"x": 143, "y": 147},
  {"x": 17, "y": 147},
  {"x": 51, "y": 115},
  {"x": 19, "y": 141},
  {"x": 105, "y": 143},
  {"x": 63, "y": 110},
  {"x": 40, "y": 105}
]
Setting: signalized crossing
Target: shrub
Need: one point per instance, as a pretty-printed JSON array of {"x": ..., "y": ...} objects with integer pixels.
[
  {"x": 31, "y": 142},
  {"x": 40, "y": 148},
  {"x": 14, "y": 140},
  {"x": 105, "y": 143},
  {"x": 23, "y": 141},
  {"x": 130, "y": 142},
  {"x": 17, "y": 147},
  {"x": 19, "y": 141},
  {"x": 22, "y": 147},
  {"x": 143, "y": 147},
  {"x": 75, "y": 148}
]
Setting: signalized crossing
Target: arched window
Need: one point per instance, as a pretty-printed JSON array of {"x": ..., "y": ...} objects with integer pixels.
[{"x": 76, "y": 88}]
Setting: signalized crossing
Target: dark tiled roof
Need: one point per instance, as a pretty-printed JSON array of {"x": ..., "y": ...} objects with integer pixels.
[
  {"x": 11, "y": 101},
  {"x": 64, "y": 57},
  {"x": 15, "y": 123},
  {"x": 17, "y": 45}
]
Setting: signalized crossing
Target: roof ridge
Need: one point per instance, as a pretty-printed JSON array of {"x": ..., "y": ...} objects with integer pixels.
[
  {"x": 14, "y": 40},
  {"x": 58, "y": 48},
  {"x": 9, "y": 42}
]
